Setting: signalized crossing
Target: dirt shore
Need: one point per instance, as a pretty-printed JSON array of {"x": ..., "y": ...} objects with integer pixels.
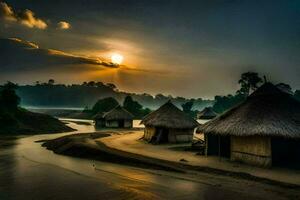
[{"x": 90, "y": 146}]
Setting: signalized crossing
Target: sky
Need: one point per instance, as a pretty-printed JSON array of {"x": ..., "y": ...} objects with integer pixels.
[{"x": 190, "y": 48}]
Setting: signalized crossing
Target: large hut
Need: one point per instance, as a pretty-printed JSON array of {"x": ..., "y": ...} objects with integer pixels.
[
  {"x": 207, "y": 114},
  {"x": 264, "y": 130},
  {"x": 168, "y": 124},
  {"x": 118, "y": 117}
]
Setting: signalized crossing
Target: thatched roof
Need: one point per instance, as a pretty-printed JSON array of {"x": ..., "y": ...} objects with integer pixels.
[
  {"x": 98, "y": 116},
  {"x": 207, "y": 113},
  {"x": 266, "y": 112},
  {"x": 117, "y": 113},
  {"x": 169, "y": 116}
]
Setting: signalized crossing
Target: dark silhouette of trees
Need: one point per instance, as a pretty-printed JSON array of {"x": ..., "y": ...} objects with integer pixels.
[
  {"x": 187, "y": 108},
  {"x": 112, "y": 86},
  {"x": 135, "y": 107},
  {"x": 223, "y": 103},
  {"x": 249, "y": 82},
  {"x": 51, "y": 82},
  {"x": 9, "y": 100},
  {"x": 104, "y": 105}
]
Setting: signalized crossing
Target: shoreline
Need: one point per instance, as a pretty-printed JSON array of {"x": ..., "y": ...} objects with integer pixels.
[{"x": 90, "y": 146}]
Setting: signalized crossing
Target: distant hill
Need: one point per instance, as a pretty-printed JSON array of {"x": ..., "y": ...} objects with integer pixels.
[
  {"x": 16, "y": 120},
  {"x": 87, "y": 94},
  {"x": 26, "y": 122}
]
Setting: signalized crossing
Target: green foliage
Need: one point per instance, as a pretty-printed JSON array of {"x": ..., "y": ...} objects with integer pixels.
[
  {"x": 17, "y": 120},
  {"x": 223, "y": 103},
  {"x": 249, "y": 81},
  {"x": 104, "y": 105},
  {"x": 9, "y": 100},
  {"x": 187, "y": 108},
  {"x": 135, "y": 107}
]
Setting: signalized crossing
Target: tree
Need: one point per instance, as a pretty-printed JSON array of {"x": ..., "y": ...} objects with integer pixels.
[
  {"x": 111, "y": 86},
  {"x": 51, "y": 82},
  {"x": 91, "y": 84},
  {"x": 249, "y": 81},
  {"x": 187, "y": 108},
  {"x": 223, "y": 103},
  {"x": 135, "y": 107},
  {"x": 132, "y": 106},
  {"x": 9, "y": 100},
  {"x": 104, "y": 105}
]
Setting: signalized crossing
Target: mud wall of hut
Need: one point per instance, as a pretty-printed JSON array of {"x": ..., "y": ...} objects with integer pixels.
[
  {"x": 180, "y": 135},
  {"x": 115, "y": 123},
  {"x": 112, "y": 124},
  {"x": 128, "y": 123},
  {"x": 251, "y": 150},
  {"x": 174, "y": 135},
  {"x": 149, "y": 132}
]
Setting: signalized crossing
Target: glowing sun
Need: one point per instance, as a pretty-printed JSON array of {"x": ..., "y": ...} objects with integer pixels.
[{"x": 117, "y": 59}]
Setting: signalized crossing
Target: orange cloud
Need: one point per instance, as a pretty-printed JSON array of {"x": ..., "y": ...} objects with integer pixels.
[
  {"x": 63, "y": 25},
  {"x": 26, "y": 18},
  {"x": 7, "y": 12}
]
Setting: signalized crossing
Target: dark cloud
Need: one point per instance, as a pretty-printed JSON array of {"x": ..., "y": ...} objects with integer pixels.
[
  {"x": 19, "y": 55},
  {"x": 26, "y": 17}
]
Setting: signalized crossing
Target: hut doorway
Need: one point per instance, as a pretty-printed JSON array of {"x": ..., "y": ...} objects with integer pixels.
[
  {"x": 121, "y": 123},
  {"x": 224, "y": 145},
  {"x": 161, "y": 136},
  {"x": 218, "y": 145},
  {"x": 285, "y": 152}
]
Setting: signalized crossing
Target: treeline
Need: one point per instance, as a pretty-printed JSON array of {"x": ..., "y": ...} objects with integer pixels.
[
  {"x": 50, "y": 94},
  {"x": 17, "y": 120},
  {"x": 106, "y": 104},
  {"x": 249, "y": 82}
]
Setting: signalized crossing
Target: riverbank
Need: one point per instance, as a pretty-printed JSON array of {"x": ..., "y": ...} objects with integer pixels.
[
  {"x": 24, "y": 122},
  {"x": 86, "y": 145},
  {"x": 125, "y": 147}
]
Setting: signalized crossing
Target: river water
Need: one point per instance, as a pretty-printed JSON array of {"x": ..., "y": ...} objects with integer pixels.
[{"x": 29, "y": 171}]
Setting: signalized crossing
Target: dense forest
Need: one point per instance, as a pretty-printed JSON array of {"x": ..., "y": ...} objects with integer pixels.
[
  {"x": 92, "y": 95},
  {"x": 88, "y": 93}
]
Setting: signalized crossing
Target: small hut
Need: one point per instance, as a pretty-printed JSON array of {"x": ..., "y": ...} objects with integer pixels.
[
  {"x": 264, "y": 130},
  {"x": 168, "y": 124},
  {"x": 206, "y": 114},
  {"x": 118, "y": 117}
]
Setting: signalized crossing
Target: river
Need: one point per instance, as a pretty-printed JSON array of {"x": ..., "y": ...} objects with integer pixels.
[{"x": 29, "y": 171}]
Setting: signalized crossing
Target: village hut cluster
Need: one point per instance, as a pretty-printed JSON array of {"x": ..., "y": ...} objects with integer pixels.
[
  {"x": 118, "y": 117},
  {"x": 264, "y": 130},
  {"x": 168, "y": 124}
]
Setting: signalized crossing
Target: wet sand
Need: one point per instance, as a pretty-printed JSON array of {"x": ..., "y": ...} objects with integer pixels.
[{"x": 29, "y": 171}]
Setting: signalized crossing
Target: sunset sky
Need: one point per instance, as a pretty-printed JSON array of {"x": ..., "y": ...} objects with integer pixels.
[{"x": 183, "y": 48}]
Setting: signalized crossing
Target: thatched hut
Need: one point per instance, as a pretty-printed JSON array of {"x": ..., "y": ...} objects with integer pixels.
[
  {"x": 263, "y": 130},
  {"x": 207, "y": 113},
  {"x": 168, "y": 124},
  {"x": 118, "y": 117}
]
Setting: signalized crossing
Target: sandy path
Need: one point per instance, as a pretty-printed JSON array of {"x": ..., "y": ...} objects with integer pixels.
[{"x": 131, "y": 143}]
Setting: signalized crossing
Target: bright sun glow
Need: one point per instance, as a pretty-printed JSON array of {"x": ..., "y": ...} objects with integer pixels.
[{"x": 117, "y": 59}]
